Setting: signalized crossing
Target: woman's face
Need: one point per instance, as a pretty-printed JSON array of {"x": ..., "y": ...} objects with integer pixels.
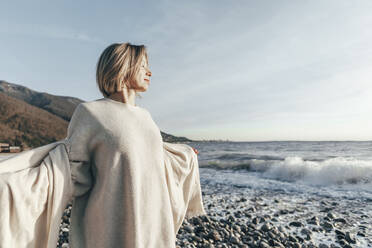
[{"x": 143, "y": 77}]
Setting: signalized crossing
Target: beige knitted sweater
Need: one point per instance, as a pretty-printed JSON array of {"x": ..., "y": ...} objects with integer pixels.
[{"x": 130, "y": 188}]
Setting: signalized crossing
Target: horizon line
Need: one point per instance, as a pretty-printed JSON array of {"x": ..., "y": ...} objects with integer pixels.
[{"x": 257, "y": 141}]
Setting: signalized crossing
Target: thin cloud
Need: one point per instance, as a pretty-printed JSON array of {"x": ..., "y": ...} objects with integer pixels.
[{"x": 49, "y": 32}]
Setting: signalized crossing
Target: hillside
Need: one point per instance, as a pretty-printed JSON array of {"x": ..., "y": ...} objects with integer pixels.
[
  {"x": 28, "y": 126},
  {"x": 61, "y": 106}
]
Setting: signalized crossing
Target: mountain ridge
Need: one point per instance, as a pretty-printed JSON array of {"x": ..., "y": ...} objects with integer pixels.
[{"x": 29, "y": 118}]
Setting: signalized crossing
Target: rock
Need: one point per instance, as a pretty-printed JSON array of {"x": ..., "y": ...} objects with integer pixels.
[
  {"x": 293, "y": 239},
  {"x": 362, "y": 227},
  {"x": 323, "y": 245},
  {"x": 251, "y": 209},
  {"x": 340, "y": 220},
  {"x": 340, "y": 233},
  {"x": 236, "y": 228},
  {"x": 350, "y": 238},
  {"x": 257, "y": 220},
  {"x": 296, "y": 245},
  {"x": 231, "y": 219},
  {"x": 210, "y": 205},
  {"x": 283, "y": 211},
  {"x": 199, "y": 229},
  {"x": 256, "y": 234},
  {"x": 196, "y": 221},
  {"x": 327, "y": 219},
  {"x": 263, "y": 244},
  {"x": 208, "y": 246},
  {"x": 251, "y": 226},
  {"x": 265, "y": 227},
  {"x": 65, "y": 245},
  {"x": 226, "y": 233},
  {"x": 313, "y": 221},
  {"x": 281, "y": 229},
  {"x": 331, "y": 216},
  {"x": 282, "y": 237},
  {"x": 234, "y": 240},
  {"x": 238, "y": 215},
  {"x": 295, "y": 223},
  {"x": 214, "y": 235},
  {"x": 306, "y": 231},
  {"x": 327, "y": 226},
  {"x": 342, "y": 242},
  {"x": 205, "y": 218},
  {"x": 277, "y": 244},
  {"x": 340, "y": 237},
  {"x": 188, "y": 228},
  {"x": 326, "y": 209},
  {"x": 197, "y": 239}
]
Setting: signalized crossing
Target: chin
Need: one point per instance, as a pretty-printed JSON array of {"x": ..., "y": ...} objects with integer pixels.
[{"x": 143, "y": 89}]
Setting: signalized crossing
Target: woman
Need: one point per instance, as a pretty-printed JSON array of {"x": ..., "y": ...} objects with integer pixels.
[{"x": 130, "y": 188}]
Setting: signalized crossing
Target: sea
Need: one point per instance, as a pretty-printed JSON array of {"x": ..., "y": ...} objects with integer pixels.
[
  {"x": 330, "y": 168},
  {"x": 327, "y": 168}
]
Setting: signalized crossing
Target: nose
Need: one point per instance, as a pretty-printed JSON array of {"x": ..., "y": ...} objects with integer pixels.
[{"x": 148, "y": 73}]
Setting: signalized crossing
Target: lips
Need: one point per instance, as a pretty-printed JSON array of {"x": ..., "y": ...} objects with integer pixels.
[{"x": 147, "y": 80}]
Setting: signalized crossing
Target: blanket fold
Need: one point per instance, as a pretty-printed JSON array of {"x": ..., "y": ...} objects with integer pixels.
[{"x": 33, "y": 198}]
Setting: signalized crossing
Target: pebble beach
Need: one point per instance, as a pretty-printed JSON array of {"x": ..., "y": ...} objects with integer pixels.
[{"x": 243, "y": 217}]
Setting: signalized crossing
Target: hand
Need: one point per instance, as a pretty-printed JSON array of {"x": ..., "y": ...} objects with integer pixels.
[{"x": 196, "y": 151}]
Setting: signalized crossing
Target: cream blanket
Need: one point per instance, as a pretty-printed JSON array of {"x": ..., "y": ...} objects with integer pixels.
[
  {"x": 35, "y": 187},
  {"x": 130, "y": 188}
]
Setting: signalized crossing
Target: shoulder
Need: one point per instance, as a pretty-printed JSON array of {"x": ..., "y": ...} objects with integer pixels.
[
  {"x": 90, "y": 107},
  {"x": 84, "y": 119},
  {"x": 84, "y": 111},
  {"x": 102, "y": 108}
]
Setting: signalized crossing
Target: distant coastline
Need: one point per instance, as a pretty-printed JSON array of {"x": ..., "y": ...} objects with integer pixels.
[{"x": 277, "y": 141}]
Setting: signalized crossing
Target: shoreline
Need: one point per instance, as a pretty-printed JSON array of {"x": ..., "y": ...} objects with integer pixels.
[{"x": 245, "y": 217}]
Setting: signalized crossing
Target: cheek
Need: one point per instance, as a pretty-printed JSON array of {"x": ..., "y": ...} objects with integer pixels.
[{"x": 138, "y": 78}]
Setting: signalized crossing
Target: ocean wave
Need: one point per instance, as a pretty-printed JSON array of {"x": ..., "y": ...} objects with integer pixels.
[
  {"x": 339, "y": 170},
  {"x": 243, "y": 157}
]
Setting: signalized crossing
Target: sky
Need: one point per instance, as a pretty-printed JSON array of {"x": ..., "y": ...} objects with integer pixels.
[{"x": 242, "y": 70}]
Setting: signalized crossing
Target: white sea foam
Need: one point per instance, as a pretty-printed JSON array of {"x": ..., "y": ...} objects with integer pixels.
[
  {"x": 339, "y": 170},
  {"x": 331, "y": 171}
]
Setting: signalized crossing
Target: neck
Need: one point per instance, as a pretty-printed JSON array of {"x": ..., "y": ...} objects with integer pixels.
[{"x": 125, "y": 96}]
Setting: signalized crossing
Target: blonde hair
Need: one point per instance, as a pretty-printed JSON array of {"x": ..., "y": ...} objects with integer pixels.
[{"x": 118, "y": 67}]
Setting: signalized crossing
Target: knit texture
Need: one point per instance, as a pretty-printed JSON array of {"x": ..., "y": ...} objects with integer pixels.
[{"x": 129, "y": 188}]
